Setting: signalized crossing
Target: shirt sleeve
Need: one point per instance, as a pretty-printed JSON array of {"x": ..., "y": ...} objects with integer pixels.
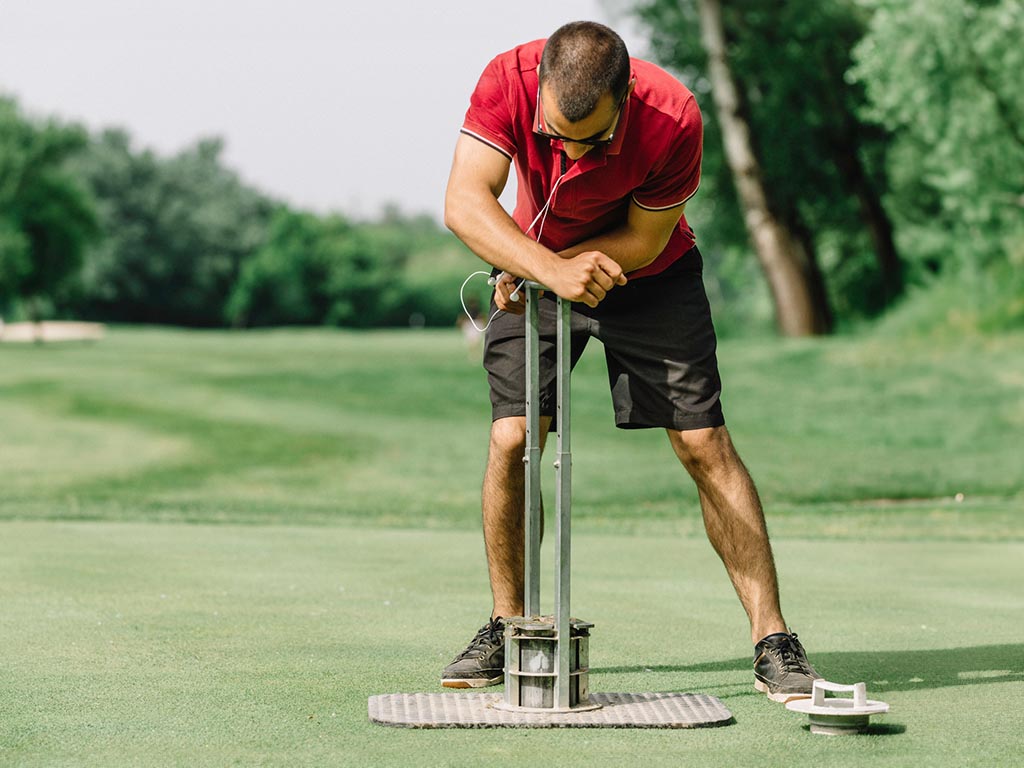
[
  {"x": 489, "y": 117},
  {"x": 677, "y": 178}
]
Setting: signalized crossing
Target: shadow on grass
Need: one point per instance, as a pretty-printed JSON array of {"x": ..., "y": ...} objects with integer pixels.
[
  {"x": 878, "y": 729},
  {"x": 888, "y": 670}
]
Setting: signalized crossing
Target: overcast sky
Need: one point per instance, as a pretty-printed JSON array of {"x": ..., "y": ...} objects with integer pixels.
[{"x": 326, "y": 105}]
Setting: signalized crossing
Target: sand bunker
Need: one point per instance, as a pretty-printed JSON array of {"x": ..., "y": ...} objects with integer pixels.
[{"x": 51, "y": 330}]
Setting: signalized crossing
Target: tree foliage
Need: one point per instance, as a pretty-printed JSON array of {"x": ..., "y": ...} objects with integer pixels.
[
  {"x": 46, "y": 217},
  {"x": 329, "y": 270},
  {"x": 822, "y": 162},
  {"x": 944, "y": 77},
  {"x": 188, "y": 243},
  {"x": 311, "y": 270},
  {"x": 178, "y": 231}
]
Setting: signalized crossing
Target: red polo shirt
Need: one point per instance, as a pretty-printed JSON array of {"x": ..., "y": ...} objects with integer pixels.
[{"x": 654, "y": 158}]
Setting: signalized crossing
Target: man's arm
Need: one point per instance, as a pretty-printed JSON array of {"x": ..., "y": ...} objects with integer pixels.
[
  {"x": 473, "y": 213},
  {"x": 633, "y": 246},
  {"x": 638, "y": 242}
]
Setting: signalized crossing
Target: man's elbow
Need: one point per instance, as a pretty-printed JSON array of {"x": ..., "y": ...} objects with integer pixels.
[
  {"x": 454, "y": 211},
  {"x": 648, "y": 249}
]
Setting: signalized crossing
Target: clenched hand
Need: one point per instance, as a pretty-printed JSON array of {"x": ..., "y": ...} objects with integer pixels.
[{"x": 586, "y": 278}]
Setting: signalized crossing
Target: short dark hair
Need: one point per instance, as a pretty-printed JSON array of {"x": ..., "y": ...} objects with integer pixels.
[{"x": 582, "y": 61}]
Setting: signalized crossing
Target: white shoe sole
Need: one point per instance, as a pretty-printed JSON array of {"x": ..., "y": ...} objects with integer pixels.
[
  {"x": 481, "y": 682},
  {"x": 782, "y": 698}
]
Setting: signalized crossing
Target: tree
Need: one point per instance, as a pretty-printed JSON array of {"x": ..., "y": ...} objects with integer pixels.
[
  {"x": 944, "y": 77},
  {"x": 801, "y": 308},
  {"x": 821, "y": 161},
  {"x": 178, "y": 230},
  {"x": 319, "y": 270},
  {"x": 288, "y": 280},
  {"x": 329, "y": 270},
  {"x": 46, "y": 217}
]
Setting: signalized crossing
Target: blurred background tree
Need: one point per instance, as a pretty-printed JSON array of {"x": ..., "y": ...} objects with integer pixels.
[
  {"x": 188, "y": 243},
  {"x": 177, "y": 232},
  {"x": 944, "y": 77},
  {"x": 46, "y": 217},
  {"x": 315, "y": 270},
  {"x": 821, "y": 161},
  {"x": 328, "y": 270}
]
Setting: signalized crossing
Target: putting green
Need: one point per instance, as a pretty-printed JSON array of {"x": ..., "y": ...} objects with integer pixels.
[{"x": 169, "y": 644}]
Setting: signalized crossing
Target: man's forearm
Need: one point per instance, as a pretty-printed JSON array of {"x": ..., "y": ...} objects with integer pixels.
[
  {"x": 483, "y": 225},
  {"x": 638, "y": 241},
  {"x": 631, "y": 250}
]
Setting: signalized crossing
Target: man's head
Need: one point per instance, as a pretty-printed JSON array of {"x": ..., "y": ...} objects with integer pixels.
[{"x": 584, "y": 79}]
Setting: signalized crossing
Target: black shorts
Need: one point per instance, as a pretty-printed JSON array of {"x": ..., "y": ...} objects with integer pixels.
[{"x": 659, "y": 345}]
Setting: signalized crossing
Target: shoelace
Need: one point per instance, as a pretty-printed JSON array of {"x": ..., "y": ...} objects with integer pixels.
[
  {"x": 791, "y": 653},
  {"x": 489, "y": 634}
]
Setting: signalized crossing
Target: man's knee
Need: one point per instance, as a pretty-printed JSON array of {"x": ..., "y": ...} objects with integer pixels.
[
  {"x": 703, "y": 451},
  {"x": 508, "y": 437}
]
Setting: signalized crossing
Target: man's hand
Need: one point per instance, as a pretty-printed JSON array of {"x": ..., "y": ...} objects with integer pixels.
[
  {"x": 503, "y": 291},
  {"x": 586, "y": 277}
]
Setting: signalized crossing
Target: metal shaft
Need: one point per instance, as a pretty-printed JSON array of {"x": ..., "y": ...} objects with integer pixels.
[
  {"x": 563, "y": 484},
  {"x": 563, "y": 506},
  {"x": 531, "y": 596}
]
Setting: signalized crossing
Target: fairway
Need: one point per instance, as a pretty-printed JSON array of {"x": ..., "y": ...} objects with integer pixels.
[{"x": 215, "y": 546}]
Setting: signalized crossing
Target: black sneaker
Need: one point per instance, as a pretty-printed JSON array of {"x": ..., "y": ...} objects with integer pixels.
[
  {"x": 781, "y": 668},
  {"x": 483, "y": 661}
]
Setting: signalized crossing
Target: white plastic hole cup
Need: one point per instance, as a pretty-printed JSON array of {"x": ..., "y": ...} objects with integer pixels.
[{"x": 838, "y": 716}]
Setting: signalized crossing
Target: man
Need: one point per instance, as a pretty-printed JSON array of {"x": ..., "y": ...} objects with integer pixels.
[{"x": 607, "y": 151}]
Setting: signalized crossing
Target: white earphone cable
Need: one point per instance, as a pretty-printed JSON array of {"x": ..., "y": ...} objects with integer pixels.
[{"x": 542, "y": 216}]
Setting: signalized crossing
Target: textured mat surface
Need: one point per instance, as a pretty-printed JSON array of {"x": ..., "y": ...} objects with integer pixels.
[{"x": 618, "y": 710}]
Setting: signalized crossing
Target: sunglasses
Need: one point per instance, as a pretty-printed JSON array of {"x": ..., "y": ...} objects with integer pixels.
[{"x": 591, "y": 141}]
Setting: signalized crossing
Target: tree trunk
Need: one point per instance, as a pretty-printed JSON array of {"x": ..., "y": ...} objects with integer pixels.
[
  {"x": 35, "y": 317},
  {"x": 875, "y": 219},
  {"x": 801, "y": 307},
  {"x": 844, "y": 146}
]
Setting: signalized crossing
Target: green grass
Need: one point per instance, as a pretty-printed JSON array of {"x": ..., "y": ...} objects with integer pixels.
[
  {"x": 844, "y": 436},
  {"x": 215, "y": 546},
  {"x": 166, "y": 644}
]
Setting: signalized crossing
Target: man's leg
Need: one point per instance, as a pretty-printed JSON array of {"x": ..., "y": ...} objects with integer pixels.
[
  {"x": 734, "y": 522},
  {"x": 735, "y": 525},
  {"x": 503, "y": 512},
  {"x": 481, "y": 663}
]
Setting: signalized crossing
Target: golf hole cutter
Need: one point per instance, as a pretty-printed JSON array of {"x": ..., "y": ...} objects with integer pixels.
[{"x": 547, "y": 657}]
